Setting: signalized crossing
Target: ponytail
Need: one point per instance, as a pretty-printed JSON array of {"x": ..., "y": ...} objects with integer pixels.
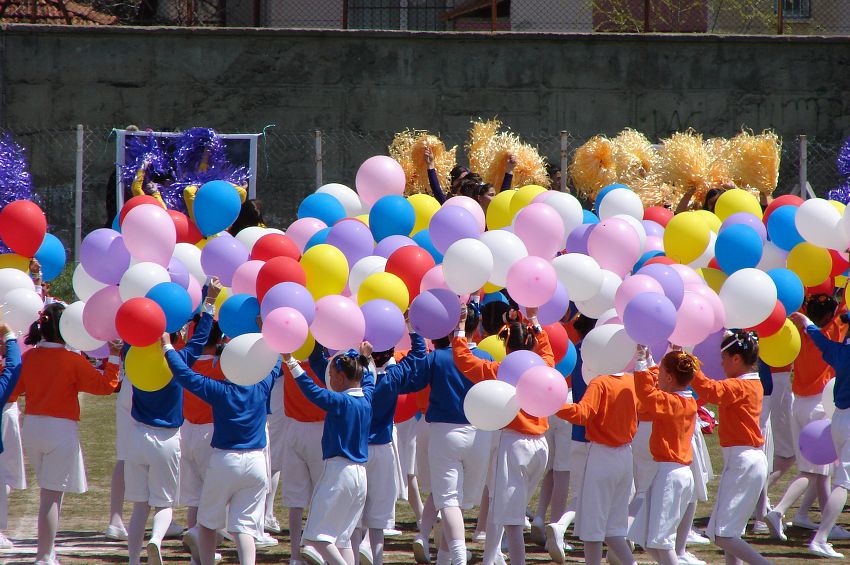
[{"x": 47, "y": 326}]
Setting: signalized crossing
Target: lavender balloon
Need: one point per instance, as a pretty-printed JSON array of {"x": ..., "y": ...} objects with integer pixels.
[
  {"x": 671, "y": 282},
  {"x": 708, "y": 352},
  {"x": 745, "y": 219},
  {"x": 178, "y": 272},
  {"x": 104, "y": 255},
  {"x": 384, "y": 324},
  {"x": 390, "y": 244},
  {"x": 435, "y": 313},
  {"x": 554, "y": 310},
  {"x": 222, "y": 256},
  {"x": 577, "y": 240},
  {"x": 450, "y": 224},
  {"x": 353, "y": 238},
  {"x": 289, "y": 295},
  {"x": 515, "y": 364},
  {"x": 816, "y": 443},
  {"x": 649, "y": 318},
  {"x": 653, "y": 228}
]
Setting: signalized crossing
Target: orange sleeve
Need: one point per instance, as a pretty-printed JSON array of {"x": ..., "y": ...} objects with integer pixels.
[
  {"x": 543, "y": 348},
  {"x": 709, "y": 390},
  {"x": 587, "y": 408},
  {"x": 90, "y": 380},
  {"x": 470, "y": 366},
  {"x": 651, "y": 399}
]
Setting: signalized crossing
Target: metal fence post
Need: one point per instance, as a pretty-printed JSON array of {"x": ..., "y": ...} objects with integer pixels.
[
  {"x": 564, "y": 157},
  {"x": 804, "y": 173},
  {"x": 319, "y": 158},
  {"x": 780, "y": 17},
  {"x": 78, "y": 194},
  {"x": 647, "y": 6},
  {"x": 493, "y": 5}
]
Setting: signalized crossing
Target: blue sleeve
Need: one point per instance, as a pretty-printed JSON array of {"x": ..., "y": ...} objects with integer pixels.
[
  {"x": 195, "y": 346},
  {"x": 321, "y": 397},
  {"x": 435, "y": 186},
  {"x": 507, "y": 181},
  {"x": 766, "y": 378},
  {"x": 202, "y": 387},
  {"x": 368, "y": 385},
  {"x": 11, "y": 371},
  {"x": 318, "y": 363},
  {"x": 834, "y": 353},
  {"x": 412, "y": 369}
]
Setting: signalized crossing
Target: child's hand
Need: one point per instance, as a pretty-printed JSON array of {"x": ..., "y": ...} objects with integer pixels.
[
  {"x": 165, "y": 339},
  {"x": 35, "y": 268},
  {"x": 366, "y": 349},
  {"x": 531, "y": 313},
  {"x": 116, "y": 346},
  {"x": 429, "y": 157},
  {"x": 461, "y": 323},
  {"x": 213, "y": 289},
  {"x": 5, "y": 329}
]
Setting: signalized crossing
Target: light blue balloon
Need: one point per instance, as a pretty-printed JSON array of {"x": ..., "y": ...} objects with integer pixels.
[
  {"x": 605, "y": 191},
  {"x": 738, "y": 247},
  {"x": 589, "y": 217},
  {"x": 782, "y": 229},
  {"x": 216, "y": 207},
  {"x": 566, "y": 365},
  {"x": 391, "y": 215},
  {"x": 423, "y": 239},
  {"x": 175, "y": 303},
  {"x": 318, "y": 238},
  {"x": 52, "y": 257},
  {"x": 789, "y": 288},
  {"x": 238, "y": 315},
  {"x": 323, "y": 207}
]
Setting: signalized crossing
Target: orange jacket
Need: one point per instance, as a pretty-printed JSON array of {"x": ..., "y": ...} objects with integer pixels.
[
  {"x": 295, "y": 404},
  {"x": 739, "y": 402},
  {"x": 811, "y": 373},
  {"x": 608, "y": 410},
  {"x": 673, "y": 416},
  {"x": 196, "y": 410}
]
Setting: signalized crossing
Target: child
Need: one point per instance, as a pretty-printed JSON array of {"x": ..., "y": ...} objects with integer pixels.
[
  {"x": 11, "y": 454},
  {"x": 739, "y": 397},
  {"x": 337, "y": 503},
  {"x": 115, "y": 530}
]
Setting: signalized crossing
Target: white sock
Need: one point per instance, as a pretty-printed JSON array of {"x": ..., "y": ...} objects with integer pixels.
[
  {"x": 457, "y": 548},
  {"x": 444, "y": 557},
  {"x": 161, "y": 521}
]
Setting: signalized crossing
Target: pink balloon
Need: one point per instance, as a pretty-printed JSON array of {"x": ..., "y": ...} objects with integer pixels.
[
  {"x": 631, "y": 287},
  {"x": 434, "y": 279},
  {"x": 532, "y": 281},
  {"x": 653, "y": 243},
  {"x": 404, "y": 343},
  {"x": 149, "y": 234},
  {"x": 694, "y": 320},
  {"x": 689, "y": 276},
  {"x": 377, "y": 177},
  {"x": 285, "y": 329},
  {"x": 99, "y": 313},
  {"x": 195, "y": 292},
  {"x": 470, "y": 206},
  {"x": 300, "y": 231},
  {"x": 541, "y": 391},
  {"x": 707, "y": 293},
  {"x": 339, "y": 323},
  {"x": 245, "y": 278},
  {"x": 541, "y": 229},
  {"x": 615, "y": 245}
]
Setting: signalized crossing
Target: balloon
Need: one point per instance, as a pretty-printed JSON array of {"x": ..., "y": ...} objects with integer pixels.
[
  {"x": 746, "y": 219},
  {"x": 839, "y": 262},
  {"x": 251, "y": 235},
  {"x": 238, "y": 315},
  {"x": 566, "y": 205},
  {"x": 541, "y": 391},
  {"x": 15, "y": 261},
  {"x": 140, "y": 322},
  {"x": 364, "y": 268},
  {"x": 577, "y": 239},
  {"x": 710, "y": 296},
  {"x": 74, "y": 332},
  {"x": 604, "y": 300},
  {"x": 556, "y": 307},
  {"x": 828, "y": 398},
  {"x": 11, "y": 279},
  {"x": 140, "y": 278},
  {"x": 516, "y": 363},
  {"x": 658, "y": 214},
  {"x": 248, "y": 359},
  {"x": 352, "y": 238},
  {"x": 194, "y": 290},
  {"x": 532, "y": 281},
  {"x": 655, "y": 252},
  {"x": 274, "y": 245},
  {"x": 686, "y": 237},
  {"x": 738, "y": 247},
  {"x": 347, "y": 197},
  {"x": 178, "y": 272},
  {"x": 671, "y": 281},
  {"x": 146, "y": 368},
  {"x": 817, "y": 221},
  {"x": 149, "y": 234},
  {"x": 567, "y": 365},
  {"x": 649, "y": 317},
  {"x": 558, "y": 339},
  {"x": 467, "y": 265},
  {"x": 620, "y": 201},
  {"x": 279, "y": 270},
  {"x": 490, "y": 405},
  {"x": 589, "y": 217},
  {"x": 84, "y": 285},
  {"x": 423, "y": 239},
  {"x": 607, "y": 349},
  {"x": 385, "y": 324},
  {"x": 525, "y": 195},
  {"x": 433, "y": 279},
  {"x": 222, "y": 256},
  {"x": 694, "y": 320},
  {"x": 712, "y": 221},
  {"x": 540, "y": 228},
  {"x": 20, "y": 308},
  {"x": 748, "y": 297},
  {"x": 708, "y": 352},
  {"x": 245, "y": 277},
  {"x": 104, "y": 255},
  {"x": 633, "y": 286},
  {"x": 318, "y": 238},
  {"x": 391, "y": 215},
  {"x": 640, "y": 230},
  {"x": 182, "y": 231},
  {"x": 135, "y": 202},
  {"x": 782, "y": 228},
  {"x": 409, "y": 264},
  {"x": 405, "y": 408},
  {"x": 653, "y": 229},
  {"x": 379, "y": 176},
  {"x": 614, "y": 245},
  {"x": 435, "y": 313},
  {"x": 391, "y": 244},
  {"x": 339, "y": 323},
  {"x": 707, "y": 256},
  {"x": 826, "y": 287},
  {"x": 494, "y": 346},
  {"x": 424, "y": 207},
  {"x": 816, "y": 443},
  {"x": 175, "y": 303},
  {"x": 781, "y": 348},
  {"x": 285, "y": 330},
  {"x": 385, "y": 286},
  {"x": 774, "y": 322},
  {"x": 300, "y": 231},
  {"x": 772, "y": 257},
  {"x": 580, "y": 274},
  {"x": 451, "y": 224},
  {"x": 51, "y": 256},
  {"x": 499, "y": 210},
  {"x": 22, "y": 227},
  {"x": 811, "y": 263},
  {"x": 736, "y": 200},
  {"x": 784, "y": 200},
  {"x": 216, "y": 206},
  {"x": 289, "y": 295},
  {"x": 326, "y": 270},
  {"x": 507, "y": 249},
  {"x": 604, "y": 192},
  {"x": 471, "y": 206},
  {"x": 190, "y": 256},
  {"x": 789, "y": 289}
]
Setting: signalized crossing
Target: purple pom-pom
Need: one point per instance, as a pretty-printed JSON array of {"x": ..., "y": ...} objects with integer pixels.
[
  {"x": 840, "y": 194},
  {"x": 15, "y": 179},
  {"x": 843, "y": 160}
]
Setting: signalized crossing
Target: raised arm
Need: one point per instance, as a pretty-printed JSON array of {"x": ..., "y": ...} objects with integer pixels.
[
  {"x": 90, "y": 380},
  {"x": 651, "y": 399},
  {"x": 195, "y": 346},
  {"x": 508, "y": 179},
  {"x": 580, "y": 413},
  {"x": 433, "y": 181},
  {"x": 710, "y": 391},
  {"x": 204, "y": 388},
  {"x": 410, "y": 374},
  {"x": 473, "y": 368},
  {"x": 323, "y": 398},
  {"x": 12, "y": 365},
  {"x": 318, "y": 363}
]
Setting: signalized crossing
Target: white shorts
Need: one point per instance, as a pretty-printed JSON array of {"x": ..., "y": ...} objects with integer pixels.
[
  {"x": 379, "y": 509},
  {"x": 780, "y": 416},
  {"x": 458, "y": 455},
  {"x": 277, "y": 422},
  {"x": 406, "y": 434},
  {"x": 302, "y": 463},
  {"x": 52, "y": 446},
  {"x": 12, "y": 472},
  {"x": 841, "y": 439},
  {"x": 741, "y": 482},
  {"x": 234, "y": 495},
  {"x": 520, "y": 464},
  {"x": 337, "y": 503},
  {"x": 578, "y": 461},
  {"x": 558, "y": 436},
  {"x": 195, "y": 453},
  {"x": 700, "y": 466},
  {"x": 806, "y": 409},
  {"x": 666, "y": 502},
  {"x": 423, "y": 466},
  {"x": 603, "y": 502},
  {"x": 124, "y": 421},
  {"x": 766, "y": 431},
  {"x": 151, "y": 471},
  {"x": 644, "y": 465}
]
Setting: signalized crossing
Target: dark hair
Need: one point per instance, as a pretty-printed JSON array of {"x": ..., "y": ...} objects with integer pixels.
[
  {"x": 472, "y": 320},
  {"x": 215, "y": 335},
  {"x": 382, "y": 357},
  {"x": 493, "y": 316},
  {"x": 682, "y": 366},
  {"x": 351, "y": 364},
  {"x": 47, "y": 326},
  {"x": 743, "y": 343},
  {"x": 517, "y": 336},
  {"x": 457, "y": 172},
  {"x": 712, "y": 192},
  {"x": 583, "y": 325},
  {"x": 473, "y": 188},
  {"x": 251, "y": 214},
  {"x": 552, "y": 168},
  {"x": 820, "y": 308}
]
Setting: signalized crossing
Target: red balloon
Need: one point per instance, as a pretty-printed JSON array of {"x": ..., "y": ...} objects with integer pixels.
[
  {"x": 784, "y": 200},
  {"x": 661, "y": 260},
  {"x": 410, "y": 263},
  {"x": 773, "y": 323},
  {"x": 839, "y": 263},
  {"x": 194, "y": 235},
  {"x": 658, "y": 214},
  {"x": 23, "y": 227},
  {"x": 826, "y": 287},
  {"x": 274, "y": 245},
  {"x": 558, "y": 339},
  {"x": 278, "y": 270},
  {"x": 405, "y": 408},
  {"x": 140, "y": 322},
  {"x": 713, "y": 264},
  {"x": 137, "y": 201},
  {"x": 181, "y": 225}
]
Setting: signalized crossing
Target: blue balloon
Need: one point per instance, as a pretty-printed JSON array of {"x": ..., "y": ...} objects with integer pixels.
[
  {"x": 589, "y": 217},
  {"x": 391, "y": 215},
  {"x": 175, "y": 302},
  {"x": 216, "y": 207},
  {"x": 423, "y": 239},
  {"x": 116, "y": 223},
  {"x": 602, "y": 193},
  {"x": 52, "y": 257},
  {"x": 322, "y": 206},
  {"x": 789, "y": 288},
  {"x": 646, "y": 257},
  {"x": 738, "y": 247},
  {"x": 319, "y": 237},
  {"x": 238, "y": 315},
  {"x": 781, "y": 228},
  {"x": 566, "y": 365}
]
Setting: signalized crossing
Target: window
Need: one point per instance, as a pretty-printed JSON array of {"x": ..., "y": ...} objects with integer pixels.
[{"x": 795, "y": 9}]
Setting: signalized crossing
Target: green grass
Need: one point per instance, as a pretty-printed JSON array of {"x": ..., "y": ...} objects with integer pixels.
[{"x": 85, "y": 516}]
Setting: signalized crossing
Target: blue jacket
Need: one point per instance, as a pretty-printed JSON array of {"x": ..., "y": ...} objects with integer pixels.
[
  {"x": 448, "y": 386},
  {"x": 837, "y": 355},
  {"x": 10, "y": 375},
  {"x": 579, "y": 386}
]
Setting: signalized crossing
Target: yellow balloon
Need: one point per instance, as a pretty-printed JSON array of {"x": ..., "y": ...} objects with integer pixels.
[
  {"x": 781, "y": 348},
  {"x": 838, "y": 206},
  {"x": 146, "y": 368},
  {"x": 841, "y": 282},
  {"x": 222, "y": 296},
  {"x": 306, "y": 349},
  {"x": 714, "y": 277},
  {"x": 523, "y": 197},
  {"x": 499, "y": 210},
  {"x": 363, "y": 218},
  {"x": 811, "y": 263},
  {"x": 424, "y": 206},
  {"x": 494, "y": 346},
  {"x": 734, "y": 201},
  {"x": 326, "y": 270},
  {"x": 712, "y": 221},
  {"x": 14, "y": 261},
  {"x": 490, "y": 288},
  {"x": 686, "y": 237},
  {"x": 385, "y": 286}
]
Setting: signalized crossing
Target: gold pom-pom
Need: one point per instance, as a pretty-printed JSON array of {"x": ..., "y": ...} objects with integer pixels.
[
  {"x": 718, "y": 168},
  {"x": 593, "y": 167},
  {"x": 653, "y": 192},
  {"x": 408, "y": 148},
  {"x": 754, "y": 160},
  {"x": 634, "y": 157},
  {"x": 684, "y": 162},
  {"x": 489, "y": 150}
]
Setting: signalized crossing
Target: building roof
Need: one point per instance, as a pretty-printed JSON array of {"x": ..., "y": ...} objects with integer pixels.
[{"x": 52, "y": 12}]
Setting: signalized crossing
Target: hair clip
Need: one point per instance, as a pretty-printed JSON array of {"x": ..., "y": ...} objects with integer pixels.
[
  {"x": 476, "y": 307},
  {"x": 350, "y": 354}
]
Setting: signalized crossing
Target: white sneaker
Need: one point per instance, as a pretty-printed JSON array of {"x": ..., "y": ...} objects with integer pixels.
[
  {"x": 116, "y": 533},
  {"x": 311, "y": 556},
  {"x": 695, "y": 538},
  {"x": 804, "y": 522},
  {"x": 527, "y": 525},
  {"x": 690, "y": 559},
  {"x": 190, "y": 540},
  {"x": 824, "y": 549},
  {"x": 217, "y": 557},
  {"x": 538, "y": 533},
  {"x": 265, "y": 541},
  {"x": 154, "y": 554},
  {"x": 760, "y": 527},
  {"x": 838, "y": 533},
  {"x": 775, "y": 525},
  {"x": 555, "y": 542},
  {"x": 500, "y": 559},
  {"x": 5, "y": 543},
  {"x": 420, "y": 551},
  {"x": 365, "y": 555},
  {"x": 174, "y": 530},
  {"x": 272, "y": 525},
  {"x": 392, "y": 533},
  {"x": 480, "y": 537}
]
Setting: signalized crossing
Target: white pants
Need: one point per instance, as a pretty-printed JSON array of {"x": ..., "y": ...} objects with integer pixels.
[
  {"x": 520, "y": 464},
  {"x": 302, "y": 463},
  {"x": 741, "y": 482},
  {"x": 558, "y": 436},
  {"x": 152, "y": 468},
  {"x": 277, "y": 423},
  {"x": 337, "y": 503},
  {"x": 124, "y": 421},
  {"x": 423, "y": 466},
  {"x": 12, "y": 472},
  {"x": 52, "y": 446},
  {"x": 603, "y": 501},
  {"x": 841, "y": 439},
  {"x": 379, "y": 508},
  {"x": 780, "y": 416},
  {"x": 644, "y": 465},
  {"x": 459, "y": 456},
  {"x": 700, "y": 465},
  {"x": 406, "y": 434},
  {"x": 195, "y": 453},
  {"x": 806, "y": 409},
  {"x": 234, "y": 494},
  {"x": 666, "y": 501}
]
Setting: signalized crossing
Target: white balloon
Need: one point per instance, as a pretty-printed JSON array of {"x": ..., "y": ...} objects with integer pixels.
[
  {"x": 608, "y": 349},
  {"x": 190, "y": 256},
  {"x": 621, "y": 201},
  {"x": 21, "y": 307},
  {"x": 507, "y": 249},
  {"x": 606, "y": 317},
  {"x": 467, "y": 265},
  {"x": 580, "y": 274},
  {"x": 247, "y": 359},
  {"x": 140, "y": 278},
  {"x": 748, "y": 296},
  {"x": 249, "y": 236},
  {"x": 818, "y": 222},
  {"x": 828, "y": 398},
  {"x": 772, "y": 257},
  {"x": 347, "y": 197},
  {"x": 491, "y": 405},
  {"x": 567, "y": 206},
  {"x": 10, "y": 279},
  {"x": 638, "y": 227},
  {"x": 74, "y": 332},
  {"x": 588, "y": 373},
  {"x": 604, "y": 299},
  {"x": 707, "y": 255},
  {"x": 366, "y": 266},
  {"x": 84, "y": 284}
]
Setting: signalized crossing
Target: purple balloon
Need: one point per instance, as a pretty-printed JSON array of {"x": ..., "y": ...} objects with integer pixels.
[
  {"x": 179, "y": 273},
  {"x": 816, "y": 443},
  {"x": 353, "y": 238},
  {"x": 101, "y": 352},
  {"x": 708, "y": 352},
  {"x": 746, "y": 219},
  {"x": 390, "y": 244},
  {"x": 104, "y": 255},
  {"x": 222, "y": 256},
  {"x": 649, "y": 318},
  {"x": 555, "y": 309},
  {"x": 450, "y": 224},
  {"x": 384, "y": 324},
  {"x": 434, "y": 313},
  {"x": 515, "y": 364},
  {"x": 289, "y": 295},
  {"x": 653, "y": 228},
  {"x": 659, "y": 350},
  {"x": 577, "y": 240},
  {"x": 671, "y": 282}
]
